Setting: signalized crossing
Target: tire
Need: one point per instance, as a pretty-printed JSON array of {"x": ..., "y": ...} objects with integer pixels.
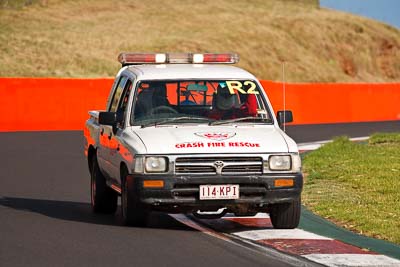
[
  {"x": 286, "y": 215},
  {"x": 103, "y": 198},
  {"x": 133, "y": 212}
]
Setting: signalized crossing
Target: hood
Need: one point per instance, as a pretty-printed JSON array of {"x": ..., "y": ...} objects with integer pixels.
[{"x": 211, "y": 139}]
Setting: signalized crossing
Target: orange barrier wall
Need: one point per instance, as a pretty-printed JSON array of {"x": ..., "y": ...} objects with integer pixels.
[
  {"x": 33, "y": 104},
  {"x": 29, "y": 104},
  {"x": 337, "y": 103}
]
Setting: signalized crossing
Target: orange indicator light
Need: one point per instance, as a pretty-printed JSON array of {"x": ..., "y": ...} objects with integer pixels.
[
  {"x": 284, "y": 182},
  {"x": 153, "y": 183}
]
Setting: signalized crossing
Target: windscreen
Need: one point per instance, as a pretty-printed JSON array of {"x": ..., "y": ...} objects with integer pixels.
[{"x": 199, "y": 101}]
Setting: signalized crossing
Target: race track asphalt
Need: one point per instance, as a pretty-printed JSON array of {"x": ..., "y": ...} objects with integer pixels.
[
  {"x": 320, "y": 132},
  {"x": 45, "y": 216}
]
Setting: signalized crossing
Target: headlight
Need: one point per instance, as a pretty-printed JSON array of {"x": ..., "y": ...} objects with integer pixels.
[
  {"x": 280, "y": 162},
  {"x": 155, "y": 164}
]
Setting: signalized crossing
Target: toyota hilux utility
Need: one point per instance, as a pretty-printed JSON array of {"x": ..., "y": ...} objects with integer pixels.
[{"x": 190, "y": 133}]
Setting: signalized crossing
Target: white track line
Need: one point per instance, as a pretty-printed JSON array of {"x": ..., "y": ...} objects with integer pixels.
[
  {"x": 315, "y": 145},
  {"x": 353, "y": 260},
  {"x": 279, "y": 234}
]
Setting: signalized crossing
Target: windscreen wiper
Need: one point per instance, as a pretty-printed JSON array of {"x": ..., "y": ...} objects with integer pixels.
[
  {"x": 169, "y": 120},
  {"x": 240, "y": 119}
]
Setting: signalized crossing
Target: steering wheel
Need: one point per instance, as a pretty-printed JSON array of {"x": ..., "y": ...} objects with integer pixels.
[{"x": 163, "y": 109}]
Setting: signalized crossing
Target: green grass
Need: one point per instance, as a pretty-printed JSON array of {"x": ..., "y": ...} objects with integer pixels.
[
  {"x": 82, "y": 38},
  {"x": 356, "y": 185}
]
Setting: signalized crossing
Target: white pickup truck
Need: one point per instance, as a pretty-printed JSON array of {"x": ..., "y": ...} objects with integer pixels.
[{"x": 189, "y": 133}]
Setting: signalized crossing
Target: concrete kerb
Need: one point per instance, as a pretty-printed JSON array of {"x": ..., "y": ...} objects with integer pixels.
[{"x": 318, "y": 225}]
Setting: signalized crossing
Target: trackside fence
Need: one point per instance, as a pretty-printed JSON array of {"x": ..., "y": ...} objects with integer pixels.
[{"x": 37, "y": 104}]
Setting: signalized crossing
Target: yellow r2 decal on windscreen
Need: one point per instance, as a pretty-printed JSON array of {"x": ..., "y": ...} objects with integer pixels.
[{"x": 239, "y": 86}]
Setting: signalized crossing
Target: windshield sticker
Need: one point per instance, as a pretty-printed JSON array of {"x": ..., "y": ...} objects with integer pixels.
[
  {"x": 245, "y": 88},
  {"x": 216, "y": 136},
  {"x": 197, "y": 87},
  {"x": 222, "y": 84},
  {"x": 216, "y": 144}
]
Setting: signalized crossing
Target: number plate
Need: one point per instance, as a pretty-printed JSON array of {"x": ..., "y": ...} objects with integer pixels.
[{"x": 226, "y": 191}]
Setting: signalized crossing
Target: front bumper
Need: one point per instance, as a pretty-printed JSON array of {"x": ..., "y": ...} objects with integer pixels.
[{"x": 181, "y": 193}]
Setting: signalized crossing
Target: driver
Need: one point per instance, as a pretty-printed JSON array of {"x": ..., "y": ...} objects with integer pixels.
[
  {"x": 152, "y": 96},
  {"x": 159, "y": 95}
]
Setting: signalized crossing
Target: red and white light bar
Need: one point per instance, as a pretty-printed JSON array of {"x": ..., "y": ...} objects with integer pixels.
[{"x": 177, "y": 58}]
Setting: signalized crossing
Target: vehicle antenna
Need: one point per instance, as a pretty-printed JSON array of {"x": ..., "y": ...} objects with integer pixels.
[{"x": 284, "y": 95}]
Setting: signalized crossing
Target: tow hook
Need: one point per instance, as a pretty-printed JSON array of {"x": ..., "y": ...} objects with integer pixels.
[{"x": 210, "y": 214}]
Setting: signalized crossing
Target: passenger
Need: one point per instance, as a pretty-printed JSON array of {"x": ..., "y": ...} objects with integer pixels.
[
  {"x": 226, "y": 106},
  {"x": 249, "y": 107}
]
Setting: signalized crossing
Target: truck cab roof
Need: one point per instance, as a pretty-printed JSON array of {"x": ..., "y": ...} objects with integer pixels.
[{"x": 188, "y": 71}]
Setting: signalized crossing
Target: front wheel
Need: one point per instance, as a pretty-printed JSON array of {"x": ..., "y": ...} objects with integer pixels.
[
  {"x": 103, "y": 198},
  {"x": 133, "y": 212},
  {"x": 286, "y": 215}
]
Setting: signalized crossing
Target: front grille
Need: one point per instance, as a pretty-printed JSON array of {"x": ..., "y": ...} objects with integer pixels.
[
  {"x": 194, "y": 169},
  {"x": 242, "y": 169},
  {"x": 209, "y": 165}
]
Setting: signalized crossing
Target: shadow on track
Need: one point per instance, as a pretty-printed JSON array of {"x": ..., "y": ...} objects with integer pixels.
[{"x": 81, "y": 212}]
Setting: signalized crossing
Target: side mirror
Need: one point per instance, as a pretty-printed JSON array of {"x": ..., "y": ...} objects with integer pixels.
[
  {"x": 108, "y": 118},
  {"x": 284, "y": 117}
]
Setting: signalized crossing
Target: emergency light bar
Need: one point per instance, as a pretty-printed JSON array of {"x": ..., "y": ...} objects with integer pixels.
[{"x": 127, "y": 58}]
